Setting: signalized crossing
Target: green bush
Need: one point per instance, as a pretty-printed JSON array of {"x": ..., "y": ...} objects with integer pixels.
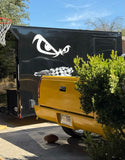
[
  {"x": 102, "y": 88},
  {"x": 110, "y": 148}
]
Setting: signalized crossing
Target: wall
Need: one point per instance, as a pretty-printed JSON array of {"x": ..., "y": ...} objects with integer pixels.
[{"x": 123, "y": 44}]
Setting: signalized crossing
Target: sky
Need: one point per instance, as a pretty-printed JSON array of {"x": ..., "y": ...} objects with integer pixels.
[{"x": 73, "y": 14}]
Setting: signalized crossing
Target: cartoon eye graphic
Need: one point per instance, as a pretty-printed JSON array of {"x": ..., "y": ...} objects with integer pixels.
[
  {"x": 66, "y": 49},
  {"x": 49, "y": 49}
]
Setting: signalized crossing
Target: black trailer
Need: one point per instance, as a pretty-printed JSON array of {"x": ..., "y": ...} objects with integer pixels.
[{"x": 38, "y": 48}]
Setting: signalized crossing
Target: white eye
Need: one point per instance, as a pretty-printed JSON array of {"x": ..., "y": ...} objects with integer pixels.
[
  {"x": 44, "y": 47},
  {"x": 66, "y": 49},
  {"x": 47, "y": 47}
]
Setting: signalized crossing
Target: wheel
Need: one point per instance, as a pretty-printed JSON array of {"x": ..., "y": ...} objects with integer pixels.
[{"x": 74, "y": 133}]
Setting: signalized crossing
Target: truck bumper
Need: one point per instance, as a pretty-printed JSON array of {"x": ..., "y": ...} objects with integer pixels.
[{"x": 69, "y": 120}]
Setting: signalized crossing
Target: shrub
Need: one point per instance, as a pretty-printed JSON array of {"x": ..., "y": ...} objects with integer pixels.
[
  {"x": 110, "y": 148},
  {"x": 102, "y": 88}
]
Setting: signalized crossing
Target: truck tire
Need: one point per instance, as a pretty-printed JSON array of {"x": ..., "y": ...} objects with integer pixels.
[{"x": 74, "y": 133}]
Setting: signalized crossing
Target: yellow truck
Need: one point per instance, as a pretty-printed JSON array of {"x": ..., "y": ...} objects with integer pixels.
[{"x": 58, "y": 101}]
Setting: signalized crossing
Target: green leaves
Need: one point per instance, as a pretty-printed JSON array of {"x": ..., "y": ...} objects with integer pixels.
[
  {"x": 7, "y": 57},
  {"x": 16, "y": 10},
  {"x": 102, "y": 88}
]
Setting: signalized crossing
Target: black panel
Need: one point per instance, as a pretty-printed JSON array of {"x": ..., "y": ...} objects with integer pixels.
[{"x": 61, "y": 46}]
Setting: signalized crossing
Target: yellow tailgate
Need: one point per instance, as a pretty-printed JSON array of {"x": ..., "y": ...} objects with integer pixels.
[{"x": 60, "y": 93}]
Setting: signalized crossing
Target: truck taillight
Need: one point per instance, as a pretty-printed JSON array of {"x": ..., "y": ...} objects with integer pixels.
[{"x": 39, "y": 88}]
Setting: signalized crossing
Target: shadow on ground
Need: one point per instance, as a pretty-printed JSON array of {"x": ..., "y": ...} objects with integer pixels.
[
  {"x": 29, "y": 144},
  {"x": 11, "y": 121}
]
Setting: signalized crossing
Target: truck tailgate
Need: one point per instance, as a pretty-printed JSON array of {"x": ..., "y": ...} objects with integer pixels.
[{"x": 59, "y": 93}]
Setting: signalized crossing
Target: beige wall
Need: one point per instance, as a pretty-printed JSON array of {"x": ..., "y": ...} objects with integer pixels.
[{"x": 123, "y": 44}]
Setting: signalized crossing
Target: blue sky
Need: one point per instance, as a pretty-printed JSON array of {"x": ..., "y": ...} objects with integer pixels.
[{"x": 73, "y": 14}]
